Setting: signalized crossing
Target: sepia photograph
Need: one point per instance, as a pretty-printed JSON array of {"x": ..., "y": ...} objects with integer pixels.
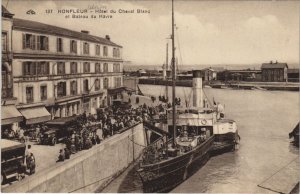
[{"x": 150, "y": 96}]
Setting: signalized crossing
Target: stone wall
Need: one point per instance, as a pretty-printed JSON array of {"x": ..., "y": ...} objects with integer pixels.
[{"x": 88, "y": 171}]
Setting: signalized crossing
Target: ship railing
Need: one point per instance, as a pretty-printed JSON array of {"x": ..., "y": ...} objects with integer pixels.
[{"x": 156, "y": 151}]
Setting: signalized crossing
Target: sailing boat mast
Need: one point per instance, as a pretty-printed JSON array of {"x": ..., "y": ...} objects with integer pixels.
[
  {"x": 166, "y": 68},
  {"x": 173, "y": 78}
]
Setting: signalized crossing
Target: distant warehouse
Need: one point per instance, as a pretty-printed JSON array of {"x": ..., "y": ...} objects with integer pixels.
[{"x": 274, "y": 72}]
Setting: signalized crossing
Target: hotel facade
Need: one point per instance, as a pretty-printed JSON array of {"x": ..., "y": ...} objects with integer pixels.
[{"x": 57, "y": 72}]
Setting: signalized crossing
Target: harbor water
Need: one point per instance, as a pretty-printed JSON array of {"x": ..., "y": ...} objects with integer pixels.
[{"x": 264, "y": 120}]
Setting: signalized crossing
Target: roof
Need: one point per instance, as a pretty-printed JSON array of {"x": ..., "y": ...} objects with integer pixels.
[
  {"x": 273, "y": 65},
  {"x": 50, "y": 29},
  {"x": 6, "y": 13},
  {"x": 216, "y": 69},
  {"x": 10, "y": 145}
]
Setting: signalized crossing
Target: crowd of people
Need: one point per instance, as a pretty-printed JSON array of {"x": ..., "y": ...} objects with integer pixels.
[{"x": 92, "y": 129}]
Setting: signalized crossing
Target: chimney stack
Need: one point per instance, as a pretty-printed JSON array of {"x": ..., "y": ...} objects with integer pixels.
[
  {"x": 271, "y": 62},
  {"x": 107, "y": 37},
  {"x": 276, "y": 62},
  {"x": 85, "y": 31}
]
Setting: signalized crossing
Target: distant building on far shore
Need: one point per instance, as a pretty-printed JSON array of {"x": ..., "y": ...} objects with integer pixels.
[
  {"x": 274, "y": 72},
  {"x": 293, "y": 75},
  {"x": 211, "y": 73}
]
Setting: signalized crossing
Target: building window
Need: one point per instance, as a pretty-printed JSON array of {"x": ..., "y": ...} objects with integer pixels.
[
  {"x": 42, "y": 68},
  {"x": 29, "y": 68},
  {"x": 4, "y": 41},
  {"x": 73, "y": 67},
  {"x": 105, "y": 51},
  {"x": 29, "y": 41},
  {"x": 61, "y": 89},
  {"x": 35, "y": 68},
  {"x": 86, "y": 86},
  {"x": 97, "y": 84},
  {"x": 4, "y": 79},
  {"x": 61, "y": 68},
  {"x": 105, "y": 83},
  {"x": 118, "y": 82},
  {"x": 116, "y": 67},
  {"x": 86, "y": 67},
  {"x": 97, "y": 49},
  {"x": 97, "y": 68},
  {"x": 29, "y": 94},
  {"x": 86, "y": 48},
  {"x": 73, "y": 88},
  {"x": 105, "y": 67},
  {"x": 43, "y": 92},
  {"x": 116, "y": 52},
  {"x": 59, "y": 45},
  {"x": 73, "y": 46},
  {"x": 43, "y": 43},
  {"x": 6, "y": 82}
]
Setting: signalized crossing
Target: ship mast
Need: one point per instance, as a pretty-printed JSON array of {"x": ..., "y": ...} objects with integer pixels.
[
  {"x": 173, "y": 78},
  {"x": 167, "y": 58}
]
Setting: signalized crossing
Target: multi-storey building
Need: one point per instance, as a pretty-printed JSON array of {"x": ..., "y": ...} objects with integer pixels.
[
  {"x": 10, "y": 116},
  {"x": 59, "y": 72}
]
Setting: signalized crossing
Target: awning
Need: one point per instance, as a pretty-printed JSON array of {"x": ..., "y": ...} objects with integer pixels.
[
  {"x": 10, "y": 114},
  {"x": 63, "y": 120},
  {"x": 35, "y": 115},
  {"x": 112, "y": 91}
]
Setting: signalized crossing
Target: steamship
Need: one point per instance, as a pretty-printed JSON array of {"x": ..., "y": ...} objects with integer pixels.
[{"x": 195, "y": 130}]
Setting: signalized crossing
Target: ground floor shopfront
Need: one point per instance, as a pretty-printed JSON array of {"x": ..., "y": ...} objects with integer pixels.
[{"x": 69, "y": 106}]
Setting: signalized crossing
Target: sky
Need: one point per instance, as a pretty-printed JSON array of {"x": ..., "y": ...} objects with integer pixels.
[{"x": 207, "y": 32}]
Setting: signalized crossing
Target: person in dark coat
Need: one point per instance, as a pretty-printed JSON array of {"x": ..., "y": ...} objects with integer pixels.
[
  {"x": 98, "y": 140},
  {"x": 93, "y": 139},
  {"x": 21, "y": 171},
  {"x": 61, "y": 156},
  {"x": 67, "y": 153}
]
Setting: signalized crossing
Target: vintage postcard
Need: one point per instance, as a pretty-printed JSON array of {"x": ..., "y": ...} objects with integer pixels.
[{"x": 150, "y": 96}]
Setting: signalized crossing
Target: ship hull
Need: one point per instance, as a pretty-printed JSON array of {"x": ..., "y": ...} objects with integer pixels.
[
  {"x": 224, "y": 143},
  {"x": 164, "y": 176}
]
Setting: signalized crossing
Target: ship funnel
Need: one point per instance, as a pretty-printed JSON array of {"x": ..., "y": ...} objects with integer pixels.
[
  {"x": 164, "y": 72},
  {"x": 197, "y": 89}
]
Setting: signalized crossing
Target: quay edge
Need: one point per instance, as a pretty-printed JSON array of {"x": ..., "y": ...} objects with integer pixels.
[{"x": 242, "y": 85}]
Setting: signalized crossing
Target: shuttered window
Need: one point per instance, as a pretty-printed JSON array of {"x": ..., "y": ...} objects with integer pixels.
[
  {"x": 97, "y": 49},
  {"x": 86, "y": 48},
  {"x": 97, "y": 84},
  {"x": 73, "y": 46},
  {"x": 86, "y": 67},
  {"x": 61, "y": 68},
  {"x": 59, "y": 44},
  {"x": 105, "y": 51},
  {"x": 73, "y": 88},
  {"x": 29, "y": 41},
  {"x": 97, "y": 68},
  {"x": 105, "y": 67}
]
